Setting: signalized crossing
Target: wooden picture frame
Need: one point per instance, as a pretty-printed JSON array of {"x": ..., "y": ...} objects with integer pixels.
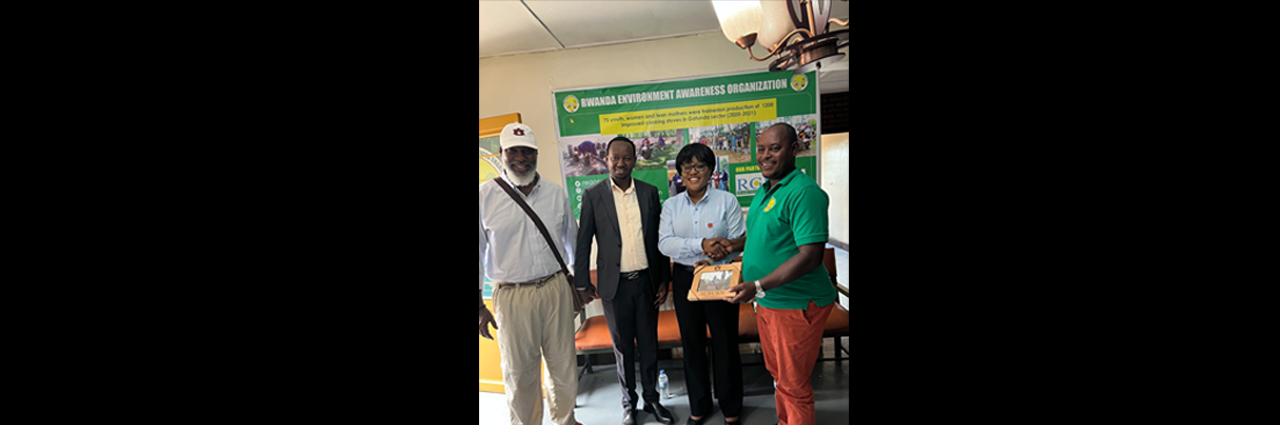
[{"x": 712, "y": 283}]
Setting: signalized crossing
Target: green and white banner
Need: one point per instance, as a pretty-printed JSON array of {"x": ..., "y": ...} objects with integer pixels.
[{"x": 726, "y": 113}]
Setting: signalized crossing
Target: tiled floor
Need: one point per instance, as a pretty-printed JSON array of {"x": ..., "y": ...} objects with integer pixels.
[{"x": 600, "y": 394}]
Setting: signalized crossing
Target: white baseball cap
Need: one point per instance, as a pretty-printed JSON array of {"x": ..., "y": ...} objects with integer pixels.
[{"x": 517, "y": 134}]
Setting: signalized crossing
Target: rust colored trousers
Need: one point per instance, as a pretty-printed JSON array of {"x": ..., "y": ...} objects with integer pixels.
[{"x": 791, "y": 341}]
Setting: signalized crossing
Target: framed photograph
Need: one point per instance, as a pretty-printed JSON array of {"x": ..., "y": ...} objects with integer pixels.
[{"x": 712, "y": 283}]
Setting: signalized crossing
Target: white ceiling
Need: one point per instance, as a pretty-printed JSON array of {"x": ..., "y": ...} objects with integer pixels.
[{"x": 527, "y": 26}]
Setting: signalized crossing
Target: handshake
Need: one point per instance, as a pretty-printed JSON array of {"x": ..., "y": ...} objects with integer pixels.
[{"x": 717, "y": 248}]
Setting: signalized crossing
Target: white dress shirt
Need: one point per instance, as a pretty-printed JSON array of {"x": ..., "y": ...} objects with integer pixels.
[{"x": 511, "y": 247}]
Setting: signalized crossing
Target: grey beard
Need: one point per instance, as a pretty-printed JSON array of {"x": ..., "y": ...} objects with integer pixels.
[{"x": 522, "y": 179}]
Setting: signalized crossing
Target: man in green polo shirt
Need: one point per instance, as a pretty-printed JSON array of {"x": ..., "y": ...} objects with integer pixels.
[{"x": 783, "y": 273}]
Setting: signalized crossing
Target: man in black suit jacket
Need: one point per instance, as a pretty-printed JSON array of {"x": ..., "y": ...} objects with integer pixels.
[{"x": 622, "y": 214}]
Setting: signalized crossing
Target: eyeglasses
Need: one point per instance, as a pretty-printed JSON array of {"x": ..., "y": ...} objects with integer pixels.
[{"x": 701, "y": 168}]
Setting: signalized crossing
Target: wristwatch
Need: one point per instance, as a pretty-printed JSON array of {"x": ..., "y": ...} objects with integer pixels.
[{"x": 759, "y": 290}]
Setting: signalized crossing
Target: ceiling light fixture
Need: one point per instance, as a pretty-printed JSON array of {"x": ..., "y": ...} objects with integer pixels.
[{"x": 797, "y": 36}]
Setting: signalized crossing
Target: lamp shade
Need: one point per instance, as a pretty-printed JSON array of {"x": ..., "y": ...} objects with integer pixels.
[
  {"x": 777, "y": 22},
  {"x": 738, "y": 18}
]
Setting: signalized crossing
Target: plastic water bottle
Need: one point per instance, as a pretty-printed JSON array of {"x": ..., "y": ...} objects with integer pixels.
[{"x": 662, "y": 384}]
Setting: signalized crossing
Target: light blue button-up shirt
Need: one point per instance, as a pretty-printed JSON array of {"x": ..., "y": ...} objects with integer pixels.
[
  {"x": 684, "y": 225},
  {"x": 511, "y": 247}
]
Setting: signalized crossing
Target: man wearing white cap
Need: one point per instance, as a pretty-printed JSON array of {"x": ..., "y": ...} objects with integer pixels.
[{"x": 532, "y": 299}]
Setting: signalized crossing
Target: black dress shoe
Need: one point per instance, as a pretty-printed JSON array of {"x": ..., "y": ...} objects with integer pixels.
[
  {"x": 663, "y": 415},
  {"x": 629, "y": 417},
  {"x": 693, "y": 421}
]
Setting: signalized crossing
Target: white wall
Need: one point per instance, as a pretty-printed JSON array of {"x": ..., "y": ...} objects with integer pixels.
[
  {"x": 835, "y": 180},
  {"x": 523, "y": 83}
]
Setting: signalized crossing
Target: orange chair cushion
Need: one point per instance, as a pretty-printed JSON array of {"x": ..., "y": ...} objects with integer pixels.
[
  {"x": 668, "y": 328},
  {"x": 594, "y": 335},
  {"x": 838, "y": 321}
]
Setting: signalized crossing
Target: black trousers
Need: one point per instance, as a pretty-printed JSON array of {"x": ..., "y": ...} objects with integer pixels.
[
  {"x": 695, "y": 318},
  {"x": 633, "y": 322}
]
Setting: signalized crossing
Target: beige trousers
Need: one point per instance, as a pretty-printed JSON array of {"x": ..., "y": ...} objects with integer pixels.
[{"x": 536, "y": 323}]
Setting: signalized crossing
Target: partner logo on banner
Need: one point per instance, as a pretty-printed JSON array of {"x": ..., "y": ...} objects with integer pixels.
[{"x": 747, "y": 184}]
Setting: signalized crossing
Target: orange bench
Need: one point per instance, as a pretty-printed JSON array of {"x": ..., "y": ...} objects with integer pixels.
[{"x": 593, "y": 336}]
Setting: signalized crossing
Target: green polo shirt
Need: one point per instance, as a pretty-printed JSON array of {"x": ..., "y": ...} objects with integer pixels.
[{"x": 781, "y": 219}]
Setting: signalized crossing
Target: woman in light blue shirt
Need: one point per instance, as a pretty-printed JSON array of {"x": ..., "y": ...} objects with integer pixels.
[{"x": 704, "y": 224}]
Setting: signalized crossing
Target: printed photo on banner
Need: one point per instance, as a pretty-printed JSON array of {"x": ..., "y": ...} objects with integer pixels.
[
  {"x": 655, "y": 148},
  {"x": 720, "y": 179},
  {"x": 807, "y": 128},
  {"x": 731, "y": 140},
  {"x": 584, "y": 155},
  {"x": 675, "y": 185}
]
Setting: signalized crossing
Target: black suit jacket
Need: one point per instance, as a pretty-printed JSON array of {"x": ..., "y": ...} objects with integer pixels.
[{"x": 599, "y": 220}]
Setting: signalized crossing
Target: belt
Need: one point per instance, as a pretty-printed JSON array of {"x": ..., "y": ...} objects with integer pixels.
[
  {"x": 538, "y": 282},
  {"x": 633, "y": 275},
  {"x": 689, "y": 269}
]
